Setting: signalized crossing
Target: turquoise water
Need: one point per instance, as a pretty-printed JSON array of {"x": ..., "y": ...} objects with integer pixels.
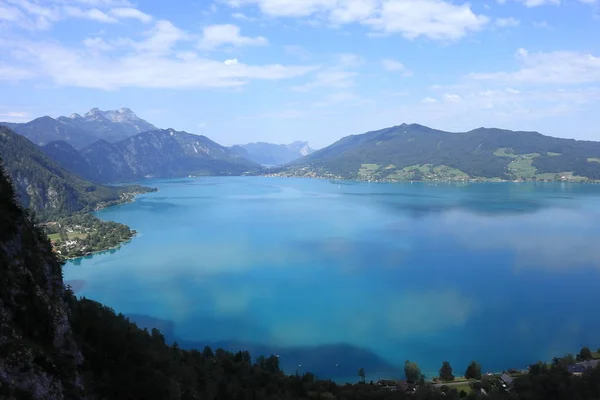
[{"x": 335, "y": 276}]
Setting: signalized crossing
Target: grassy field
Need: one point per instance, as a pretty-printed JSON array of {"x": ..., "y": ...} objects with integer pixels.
[
  {"x": 70, "y": 236},
  {"x": 368, "y": 171},
  {"x": 54, "y": 236},
  {"x": 428, "y": 171},
  {"x": 522, "y": 168},
  {"x": 466, "y": 387},
  {"x": 505, "y": 152}
]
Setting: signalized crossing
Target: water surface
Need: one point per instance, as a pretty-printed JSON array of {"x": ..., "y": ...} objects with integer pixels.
[{"x": 334, "y": 276}]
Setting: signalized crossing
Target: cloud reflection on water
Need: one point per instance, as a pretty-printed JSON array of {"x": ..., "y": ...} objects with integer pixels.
[{"x": 399, "y": 271}]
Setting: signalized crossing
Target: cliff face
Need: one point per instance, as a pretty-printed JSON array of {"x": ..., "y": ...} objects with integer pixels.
[{"x": 38, "y": 355}]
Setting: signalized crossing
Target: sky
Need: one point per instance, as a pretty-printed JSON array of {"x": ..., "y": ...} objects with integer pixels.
[{"x": 241, "y": 71}]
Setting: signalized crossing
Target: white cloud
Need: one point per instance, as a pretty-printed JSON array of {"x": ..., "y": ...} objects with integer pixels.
[
  {"x": 14, "y": 74},
  {"x": 536, "y": 3},
  {"x": 339, "y": 76},
  {"x": 218, "y": 35},
  {"x": 97, "y": 43},
  {"x": 298, "y": 51},
  {"x": 506, "y": 22},
  {"x": 429, "y": 100},
  {"x": 241, "y": 16},
  {"x": 231, "y": 61},
  {"x": 434, "y": 19},
  {"x": 28, "y": 14},
  {"x": 349, "y": 60},
  {"x": 532, "y": 3},
  {"x": 128, "y": 12},
  {"x": 14, "y": 116},
  {"x": 541, "y": 24},
  {"x": 161, "y": 38},
  {"x": 452, "y": 97},
  {"x": 429, "y": 18},
  {"x": 352, "y": 10},
  {"x": 395, "y": 66},
  {"x": 558, "y": 67},
  {"x": 92, "y": 14},
  {"x": 329, "y": 78},
  {"x": 157, "y": 61}
]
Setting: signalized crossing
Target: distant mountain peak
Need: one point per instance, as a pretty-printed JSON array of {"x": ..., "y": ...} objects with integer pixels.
[
  {"x": 273, "y": 154},
  {"x": 74, "y": 116},
  {"x": 301, "y": 147}
]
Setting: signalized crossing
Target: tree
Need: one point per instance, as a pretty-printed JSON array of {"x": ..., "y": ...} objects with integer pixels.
[
  {"x": 413, "y": 372},
  {"x": 272, "y": 364},
  {"x": 208, "y": 353},
  {"x": 361, "y": 374},
  {"x": 585, "y": 354},
  {"x": 473, "y": 371},
  {"x": 446, "y": 372}
]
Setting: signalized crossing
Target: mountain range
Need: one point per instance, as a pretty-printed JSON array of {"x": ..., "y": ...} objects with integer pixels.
[
  {"x": 268, "y": 154},
  {"x": 416, "y": 152},
  {"x": 116, "y": 145},
  {"x": 49, "y": 189},
  {"x": 155, "y": 154},
  {"x": 80, "y": 131}
]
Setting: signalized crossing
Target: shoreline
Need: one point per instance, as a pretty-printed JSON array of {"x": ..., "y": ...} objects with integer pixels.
[
  {"x": 463, "y": 181},
  {"x": 125, "y": 199}
]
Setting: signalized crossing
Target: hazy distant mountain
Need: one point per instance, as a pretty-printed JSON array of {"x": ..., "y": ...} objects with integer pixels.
[
  {"x": 80, "y": 131},
  {"x": 414, "y": 152},
  {"x": 272, "y": 154},
  {"x": 157, "y": 154}
]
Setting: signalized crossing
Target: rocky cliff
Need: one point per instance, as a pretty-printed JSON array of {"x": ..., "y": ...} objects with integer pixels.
[{"x": 39, "y": 358}]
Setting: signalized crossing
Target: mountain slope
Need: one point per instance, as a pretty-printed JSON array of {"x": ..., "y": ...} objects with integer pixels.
[
  {"x": 417, "y": 152},
  {"x": 272, "y": 154},
  {"x": 157, "y": 154},
  {"x": 70, "y": 158},
  {"x": 39, "y": 358},
  {"x": 47, "y": 188},
  {"x": 44, "y": 130}
]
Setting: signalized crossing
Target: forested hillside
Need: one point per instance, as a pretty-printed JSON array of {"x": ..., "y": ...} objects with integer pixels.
[
  {"x": 416, "y": 152},
  {"x": 155, "y": 154},
  {"x": 48, "y": 189}
]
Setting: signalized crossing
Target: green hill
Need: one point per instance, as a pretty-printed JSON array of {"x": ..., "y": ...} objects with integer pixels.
[{"x": 416, "y": 152}]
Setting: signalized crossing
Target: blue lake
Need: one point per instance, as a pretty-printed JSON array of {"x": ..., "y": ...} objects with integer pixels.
[{"x": 335, "y": 276}]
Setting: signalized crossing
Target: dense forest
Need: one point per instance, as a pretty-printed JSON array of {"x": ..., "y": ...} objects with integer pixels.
[{"x": 53, "y": 345}]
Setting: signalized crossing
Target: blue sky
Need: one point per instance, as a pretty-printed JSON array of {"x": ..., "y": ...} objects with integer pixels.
[{"x": 241, "y": 71}]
